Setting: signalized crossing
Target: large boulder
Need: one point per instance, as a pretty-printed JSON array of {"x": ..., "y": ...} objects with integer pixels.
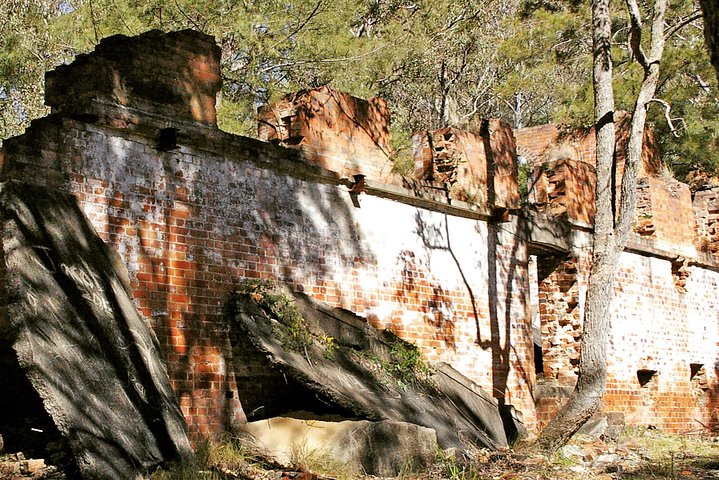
[
  {"x": 346, "y": 368},
  {"x": 383, "y": 448},
  {"x": 68, "y": 316}
]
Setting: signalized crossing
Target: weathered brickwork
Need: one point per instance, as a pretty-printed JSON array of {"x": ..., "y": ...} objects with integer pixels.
[
  {"x": 658, "y": 328},
  {"x": 655, "y": 292},
  {"x": 659, "y": 333},
  {"x": 665, "y": 213},
  {"x": 479, "y": 167},
  {"x": 547, "y": 143},
  {"x": 706, "y": 209},
  {"x": 561, "y": 319},
  {"x": 193, "y": 221},
  {"x": 339, "y": 132},
  {"x": 564, "y": 186},
  {"x": 193, "y": 211}
]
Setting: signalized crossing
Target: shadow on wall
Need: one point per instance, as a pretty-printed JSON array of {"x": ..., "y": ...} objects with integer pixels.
[
  {"x": 417, "y": 289},
  {"x": 196, "y": 238},
  {"x": 501, "y": 343},
  {"x": 503, "y": 296},
  {"x": 436, "y": 237}
]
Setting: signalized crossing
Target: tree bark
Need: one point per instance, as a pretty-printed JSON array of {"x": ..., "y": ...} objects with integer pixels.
[
  {"x": 710, "y": 9},
  {"x": 610, "y": 232}
]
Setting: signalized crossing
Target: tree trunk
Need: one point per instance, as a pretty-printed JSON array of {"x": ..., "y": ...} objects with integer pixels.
[
  {"x": 587, "y": 395},
  {"x": 710, "y": 9},
  {"x": 610, "y": 237}
]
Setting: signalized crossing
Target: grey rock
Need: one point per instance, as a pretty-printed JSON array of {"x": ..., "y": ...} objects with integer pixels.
[
  {"x": 573, "y": 452},
  {"x": 383, "y": 448},
  {"x": 457, "y": 409},
  {"x": 76, "y": 334},
  {"x": 594, "y": 428}
]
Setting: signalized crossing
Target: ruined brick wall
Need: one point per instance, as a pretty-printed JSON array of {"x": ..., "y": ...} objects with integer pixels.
[
  {"x": 657, "y": 327},
  {"x": 195, "y": 214},
  {"x": 665, "y": 213},
  {"x": 561, "y": 318},
  {"x": 564, "y": 186},
  {"x": 547, "y": 143},
  {"x": 706, "y": 210},
  {"x": 661, "y": 356},
  {"x": 476, "y": 167},
  {"x": 339, "y": 132},
  {"x": 191, "y": 223},
  {"x": 193, "y": 211}
]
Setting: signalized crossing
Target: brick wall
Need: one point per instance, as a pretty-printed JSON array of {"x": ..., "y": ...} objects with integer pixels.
[
  {"x": 335, "y": 130},
  {"x": 665, "y": 213},
  {"x": 192, "y": 223},
  {"x": 193, "y": 211},
  {"x": 547, "y": 143},
  {"x": 478, "y": 167},
  {"x": 564, "y": 186},
  {"x": 706, "y": 210},
  {"x": 193, "y": 220},
  {"x": 660, "y": 337}
]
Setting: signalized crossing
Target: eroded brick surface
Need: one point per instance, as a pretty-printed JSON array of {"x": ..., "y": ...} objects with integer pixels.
[
  {"x": 339, "y": 132},
  {"x": 547, "y": 143},
  {"x": 564, "y": 186},
  {"x": 706, "y": 209},
  {"x": 476, "y": 167}
]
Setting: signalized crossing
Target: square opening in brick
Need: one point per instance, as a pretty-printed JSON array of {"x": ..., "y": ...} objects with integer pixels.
[
  {"x": 646, "y": 377},
  {"x": 167, "y": 140}
]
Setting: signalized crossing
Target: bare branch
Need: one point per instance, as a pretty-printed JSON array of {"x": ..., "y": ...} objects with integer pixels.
[
  {"x": 326, "y": 60},
  {"x": 302, "y": 25},
  {"x": 670, "y": 121},
  {"x": 193, "y": 22},
  {"x": 695, "y": 15}
]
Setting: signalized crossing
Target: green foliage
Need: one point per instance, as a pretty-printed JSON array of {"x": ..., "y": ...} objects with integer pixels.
[
  {"x": 402, "y": 157},
  {"x": 294, "y": 335},
  {"x": 527, "y": 62},
  {"x": 454, "y": 469},
  {"x": 405, "y": 364},
  {"x": 197, "y": 468}
]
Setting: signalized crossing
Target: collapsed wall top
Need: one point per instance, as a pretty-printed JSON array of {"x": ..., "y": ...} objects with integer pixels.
[
  {"x": 335, "y": 130},
  {"x": 157, "y": 79}
]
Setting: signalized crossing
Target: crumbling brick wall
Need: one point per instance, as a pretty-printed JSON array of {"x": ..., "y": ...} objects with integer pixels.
[
  {"x": 547, "y": 143},
  {"x": 478, "y": 167},
  {"x": 564, "y": 186},
  {"x": 193, "y": 211},
  {"x": 664, "y": 212},
  {"x": 339, "y": 132},
  {"x": 561, "y": 320},
  {"x": 706, "y": 209},
  {"x": 660, "y": 337}
]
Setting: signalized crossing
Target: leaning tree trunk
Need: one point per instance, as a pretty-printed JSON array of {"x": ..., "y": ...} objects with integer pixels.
[{"x": 610, "y": 236}]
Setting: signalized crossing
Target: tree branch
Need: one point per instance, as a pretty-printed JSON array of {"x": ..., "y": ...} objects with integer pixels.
[
  {"x": 695, "y": 15},
  {"x": 635, "y": 33},
  {"x": 302, "y": 24},
  {"x": 670, "y": 121}
]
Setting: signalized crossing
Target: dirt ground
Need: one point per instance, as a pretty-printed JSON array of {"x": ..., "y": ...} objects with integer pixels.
[{"x": 636, "y": 454}]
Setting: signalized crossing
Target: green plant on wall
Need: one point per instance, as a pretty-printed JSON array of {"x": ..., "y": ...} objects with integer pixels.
[
  {"x": 294, "y": 333},
  {"x": 405, "y": 364}
]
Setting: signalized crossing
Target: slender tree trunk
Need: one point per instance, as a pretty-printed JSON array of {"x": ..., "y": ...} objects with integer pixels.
[
  {"x": 710, "y": 9},
  {"x": 587, "y": 395},
  {"x": 610, "y": 236}
]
